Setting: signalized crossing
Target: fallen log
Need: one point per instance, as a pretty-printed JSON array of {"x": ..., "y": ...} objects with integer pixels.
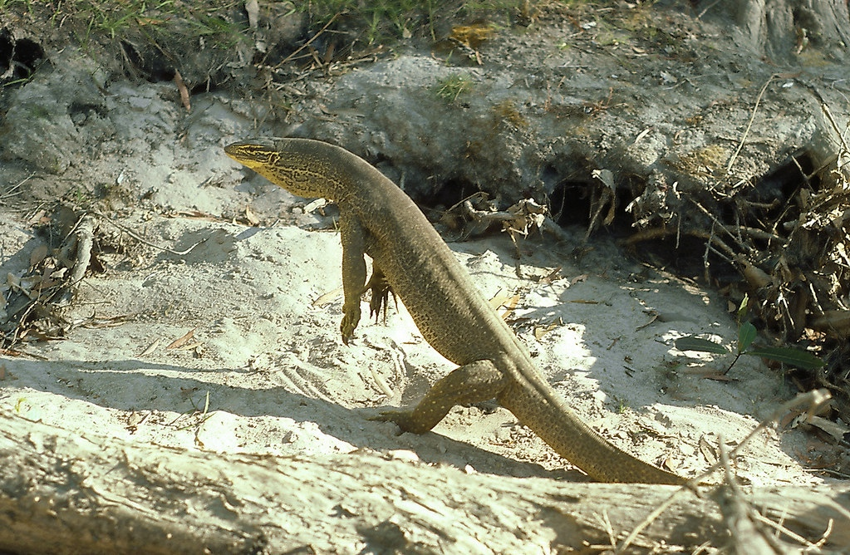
[{"x": 64, "y": 493}]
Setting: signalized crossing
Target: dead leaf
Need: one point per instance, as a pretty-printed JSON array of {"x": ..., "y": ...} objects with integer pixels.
[
  {"x": 30, "y": 283},
  {"x": 136, "y": 418},
  {"x": 498, "y": 299},
  {"x": 707, "y": 450},
  {"x": 145, "y": 21},
  {"x": 39, "y": 218},
  {"x": 317, "y": 204},
  {"x": 328, "y": 297},
  {"x": 196, "y": 214},
  {"x": 189, "y": 346},
  {"x": 151, "y": 348},
  {"x": 540, "y": 331},
  {"x": 177, "y": 343},
  {"x": 38, "y": 254},
  {"x": 184, "y": 91},
  {"x": 554, "y": 275},
  {"x": 755, "y": 276},
  {"x": 790, "y": 419},
  {"x": 251, "y": 217},
  {"x": 504, "y": 300},
  {"x": 510, "y": 306},
  {"x": 837, "y": 431}
]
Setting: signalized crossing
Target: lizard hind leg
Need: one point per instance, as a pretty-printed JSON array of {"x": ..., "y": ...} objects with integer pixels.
[{"x": 471, "y": 383}]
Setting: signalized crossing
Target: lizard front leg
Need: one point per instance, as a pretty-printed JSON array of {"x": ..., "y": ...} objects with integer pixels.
[{"x": 471, "y": 383}]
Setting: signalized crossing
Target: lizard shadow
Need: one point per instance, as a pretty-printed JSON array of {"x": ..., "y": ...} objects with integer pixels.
[{"x": 135, "y": 386}]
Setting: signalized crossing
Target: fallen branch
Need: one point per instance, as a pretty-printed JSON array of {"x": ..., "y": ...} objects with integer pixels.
[{"x": 62, "y": 493}]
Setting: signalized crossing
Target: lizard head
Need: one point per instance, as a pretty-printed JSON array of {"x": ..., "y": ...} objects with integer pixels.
[
  {"x": 298, "y": 165},
  {"x": 260, "y": 155}
]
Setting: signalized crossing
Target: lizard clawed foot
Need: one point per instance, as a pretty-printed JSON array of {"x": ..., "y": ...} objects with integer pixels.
[
  {"x": 402, "y": 418},
  {"x": 380, "y": 296},
  {"x": 381, "y": 290},
  {"x": 350, "y": 319}
]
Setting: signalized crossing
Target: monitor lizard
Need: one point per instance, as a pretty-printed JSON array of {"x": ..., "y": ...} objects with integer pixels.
[{"x": 412, "y": 261}]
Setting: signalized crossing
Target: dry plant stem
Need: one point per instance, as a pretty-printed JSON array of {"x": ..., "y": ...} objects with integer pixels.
[
  {"x": 746, "y": 535},
  {"x": 16, "y": 332},
  {"x": 760, "y": 234},
  {"x": 148, "y": 243},
  {"x": 828, "y": 113},
  {"x": 660, "y": 233},
  {"x": 306, "y": 44},
  {"x": 703, "y": 12},
  {"x": 716, "y": 242},
  {"x": 708, "y": 250},
  {"x": 749, "y": 124},
  {"x": 489, "y": 217},
  {"x": 813, "y": 399},
  {"x": 14, "y": 189},
  {"x": 605, "y": 198},
  {"x": 552, "y": 227},
  {"x": 605, "y": 521},
  {"x": 647, "y": 235},
  {"x": 461, "y": 203},
  {"x": 721, "y": 226},
  {"x": 791, "y": 534}
]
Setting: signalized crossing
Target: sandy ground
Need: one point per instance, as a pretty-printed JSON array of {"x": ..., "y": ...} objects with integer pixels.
[{"x": 265, "y": 370}]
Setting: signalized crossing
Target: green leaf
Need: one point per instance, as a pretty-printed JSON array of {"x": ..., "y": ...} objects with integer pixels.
[
  {"x": 746, "y": 336},
  {"x": 692, "y": 343},
  {"x": 788, "y": 355}
]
